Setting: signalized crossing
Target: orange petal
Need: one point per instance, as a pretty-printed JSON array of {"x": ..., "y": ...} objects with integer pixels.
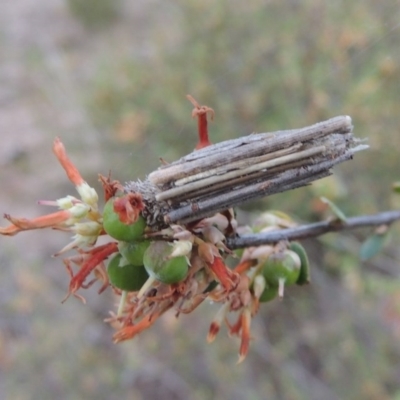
[
  {"x": 213, "y": 331},
  {"x": 72, "y": 172},
  {"x": 45, "y": 221},
  {"x": 98, "y": 255},
  {"x": 227, "y": 278},
  {"x": 128, "y": 332},
  {"x": 216, "y": 322},
  {"x": 245, "y": 342},
  {"x": 244, "y": 266},
  {"x": 236, "y": 327}
]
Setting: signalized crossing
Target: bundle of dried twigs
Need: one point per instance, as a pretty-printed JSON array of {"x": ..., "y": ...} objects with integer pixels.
[{"x": 232, "y": 172}]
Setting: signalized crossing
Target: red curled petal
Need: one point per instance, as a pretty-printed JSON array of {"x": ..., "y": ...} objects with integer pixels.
[
  {"x": 110, "y": 187},
  {"x": 202, "y": 124},
  {"x": 98, "y": 255},
  {"x": 128, "y": 207},
  {"x": 226, "y": 277}
]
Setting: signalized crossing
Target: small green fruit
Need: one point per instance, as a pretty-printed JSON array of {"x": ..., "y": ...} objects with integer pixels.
[
  {"x": 262, "y": 290},
  {"x": 282, "y": 269},
  {"x": 117, "y": 229},
  {"x": 268, "y": 294},
  {"x": 304, "y": 276},
  {"x": 158, "y": 264},
  {"x": 134, "y": 251},
  {"x": 126, "y": 276}
]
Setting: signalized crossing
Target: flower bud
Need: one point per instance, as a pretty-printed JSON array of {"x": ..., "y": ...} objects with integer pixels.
[
  {"x": 79, "y": 211},
  {"x": 259, "y": 285},
  {"x": 89, "y": 228},
  {"x": 67, "y": 202},
  {"x": 88, "y": 195}
]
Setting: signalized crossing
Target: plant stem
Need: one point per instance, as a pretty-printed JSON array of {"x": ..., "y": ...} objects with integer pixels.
[{"x": 314, "y": 229}]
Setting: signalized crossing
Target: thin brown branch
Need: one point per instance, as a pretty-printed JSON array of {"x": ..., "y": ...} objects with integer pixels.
[{"x": 313, "y": 230}]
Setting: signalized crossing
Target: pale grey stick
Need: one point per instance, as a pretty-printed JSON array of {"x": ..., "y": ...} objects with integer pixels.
[
  {"x": 245, "y": 147},
  {"x": 212, "y": 180},
  {"x": 288, "y": 180},
  {"x": 237, "y": 165},
  {"x": 230, "y": 173}
]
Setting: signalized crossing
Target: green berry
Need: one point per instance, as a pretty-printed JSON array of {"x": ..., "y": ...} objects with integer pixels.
[
  {"x": 304, "y": 276},
  {"x": 117, "y": 229},
  {"x": 134, "y": 251},
  {"x": 282, "y": 269},
  {"x": 126, "y": 276},
  {"x": 268, "y": 294},
  {"x": 262, "y": 290},
  {"x": 158, "y": 264}
]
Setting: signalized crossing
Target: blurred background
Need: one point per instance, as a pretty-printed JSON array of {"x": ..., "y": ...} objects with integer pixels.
[{"x": 110, "y": 78}]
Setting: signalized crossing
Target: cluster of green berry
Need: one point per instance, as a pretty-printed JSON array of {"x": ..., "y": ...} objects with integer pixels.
[
  {"x": 286, "y": 267},
  {"x": 139, "y": 259}
]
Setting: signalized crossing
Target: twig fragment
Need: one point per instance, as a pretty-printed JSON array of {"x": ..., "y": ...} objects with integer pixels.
[
  {"x": 227, "y": 174},
  {"x": 313, "y": 230}
]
